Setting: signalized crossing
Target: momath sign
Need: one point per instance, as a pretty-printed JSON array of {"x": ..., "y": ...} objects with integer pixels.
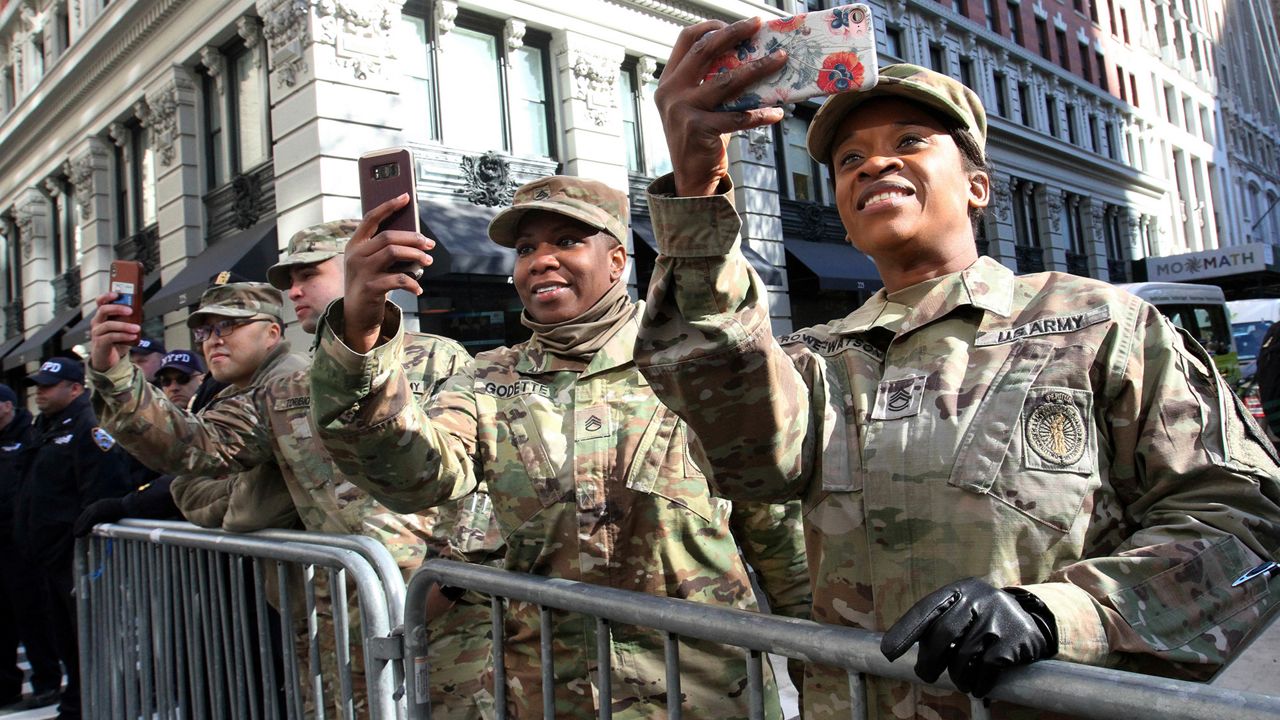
[{"x": 1231, "y": 260}]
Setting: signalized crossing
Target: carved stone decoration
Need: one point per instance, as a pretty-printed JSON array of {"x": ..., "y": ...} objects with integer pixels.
[
  {"x": 812, "y": 227},
  {"x": 1054, "y": 199},
  {"x": 358, "y": 31},
  {"x": 24, "y": 219},
  {"x": 118, "y": 133},
  {"x": 513, "y": 31},
  {"x": 246, "y": 193},
  {"x": 285, "y": 27},
  {"x": 488, "y": 179},
  {"x": 249, "y": 29},
  {"x": 1003, "y": 186},
  {"x": 1096, "y": 218},
  {"x": 215, "y": 65},
  {"x": 647, "y": 69},
  {"x": 80, "y": 171},
  {"x": 595, "y": 80},
  {"x": 758, "y": 141},
  {"x": 163, "y": 121},
  {"x": 52, "y": 187},
  {"x": 445, "y": 16}
]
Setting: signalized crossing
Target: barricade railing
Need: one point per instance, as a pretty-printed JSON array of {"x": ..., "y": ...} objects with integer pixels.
[
  {"x": 177, "y": 621},
  {"x": 1079, "y": 690}
]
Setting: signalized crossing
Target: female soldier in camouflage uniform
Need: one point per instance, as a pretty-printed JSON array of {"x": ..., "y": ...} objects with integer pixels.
[
  {"x": 965, "y": 430},
  {"x": 591, "y": 478}
]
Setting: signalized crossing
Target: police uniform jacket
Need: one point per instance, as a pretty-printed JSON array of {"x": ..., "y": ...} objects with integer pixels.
[
  {"x": 73, "y": 463},
  {"x": 1046, "y": 431},
  {"x": 16, "y": 440}
]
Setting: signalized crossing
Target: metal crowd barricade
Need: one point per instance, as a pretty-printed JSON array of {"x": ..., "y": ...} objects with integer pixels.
[
  {"x": 176, "y": 621},
  {"x": 1079, "y": 690}
]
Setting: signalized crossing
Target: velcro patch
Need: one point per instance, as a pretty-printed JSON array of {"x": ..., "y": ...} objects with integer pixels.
[
  {"x": 1056, "y": 325},
  {"x": 102, "y": 439},
  {"x": 833, "y": 346},
  {"x": 899, "y": 398},
  {"x": 293, "y": 403}
]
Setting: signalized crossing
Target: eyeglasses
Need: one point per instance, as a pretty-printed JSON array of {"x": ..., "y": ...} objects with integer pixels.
[
  {"x": 222, "y": 328},
  {"x": 165, "y": 381}
]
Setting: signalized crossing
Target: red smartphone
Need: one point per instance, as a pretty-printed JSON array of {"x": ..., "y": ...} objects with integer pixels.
[
  {"x": 828, "y": 52},
  {"x": 385, "y": 174},
  {"x": 126, "y": 282}
]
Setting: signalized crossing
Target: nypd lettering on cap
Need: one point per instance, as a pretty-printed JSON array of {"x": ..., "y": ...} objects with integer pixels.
[
  {"x": 103, "y": 439},
  {"x": 177, "y": 357},
  {"x": 51, "y": 367}
]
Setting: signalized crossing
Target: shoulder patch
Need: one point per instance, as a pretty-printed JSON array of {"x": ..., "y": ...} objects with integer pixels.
[
  {"x": 832, "y": 346},
  {"x": 1055, "y": 325},
  {"x": 292, "y": 403},
  {"x": 103, "y": 439}
]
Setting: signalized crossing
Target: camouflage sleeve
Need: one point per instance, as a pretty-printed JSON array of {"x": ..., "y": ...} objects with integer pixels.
[
  {"x": 202, "y": 500},
  {"x": 772, "y": 540},
  {"x": 259, "y": 499},
  {"x": 227, "y": 437},
  {"x": 1199, "y": 504},
  {"x": 378, "y": 434},
  {"x": 707, "y": 349}
]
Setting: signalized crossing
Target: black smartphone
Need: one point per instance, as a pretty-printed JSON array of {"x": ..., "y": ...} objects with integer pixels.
[
  {"x": 126, "y": 283},
  {"x": 385, "y": 174}
]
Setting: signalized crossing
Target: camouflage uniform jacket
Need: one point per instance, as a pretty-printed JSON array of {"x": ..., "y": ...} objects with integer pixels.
[
  {"x": 1046, "y": 431},
  {"x": 254, "y": 499},
  {"x": 590, "y": 479},
  {"x": 270, "y": 424}
]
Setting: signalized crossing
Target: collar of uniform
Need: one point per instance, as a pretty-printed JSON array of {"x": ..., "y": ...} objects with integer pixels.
[
  {"x": 620, "y": 350},
  {"x": 280, "y": 350},
  {"x": 986, "y": 284},
  {"x": 73, "y": 408}
]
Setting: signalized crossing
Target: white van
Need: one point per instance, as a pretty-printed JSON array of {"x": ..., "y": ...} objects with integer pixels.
[{"x": 1200, "y": 310}]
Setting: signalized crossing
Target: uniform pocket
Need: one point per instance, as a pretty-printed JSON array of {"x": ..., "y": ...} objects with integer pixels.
[
  {"x": 544, "y": 459},
  {"x": 662, "y": 467}
]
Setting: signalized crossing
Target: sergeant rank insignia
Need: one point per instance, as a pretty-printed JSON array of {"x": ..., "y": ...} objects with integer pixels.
[
  {"x": 1055, "y": 430},
  {"x": 103, "y": 439}
]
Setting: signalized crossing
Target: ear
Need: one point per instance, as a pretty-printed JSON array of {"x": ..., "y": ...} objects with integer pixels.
[
  {"x": 979, "y": 189},
  {"x": 617, "y": 262}
]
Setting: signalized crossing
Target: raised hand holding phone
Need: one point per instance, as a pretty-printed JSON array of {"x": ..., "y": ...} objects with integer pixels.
[
  {"x": 828, "y": 52},
  {"x": 387, "y": 174}
]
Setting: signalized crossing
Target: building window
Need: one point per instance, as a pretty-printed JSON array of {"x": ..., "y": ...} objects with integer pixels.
[
  {"x": 1133, "y": 89},
  {"x": 237, "y": 120},
  {"x": 1042, "y": 39},
  {"x": 1086, "y": 71},
  {"x": 1093, "y": 11},
  {"x": 1124, "y": 91},
  {"x": 1000, "y": 84},
  {"x": 1113, "y": 147},
  {"x": 65, "y": 228},
  {"x": 11, "y": 257},
  {"x": 647, "y": 152},
  {"x": 1078, "y": 5},
  {"x": 893, "y": 41},
  {"x": 1051, "y": 111},
  {"x": 10, "y": 87},
  {"x": 491, "y": 97},
  {"x": 1124, "y": 25},
  {"x": 135, "y": 182},
  {"x": 966, "y": 72},
  {"x": 961, "y": 7},
  {"x": 1073, "y": 214},
  {"x": 1026, "y": 218},
  {"x": 1024, "y": 102},
  {"x": 1073, "y": 128},
  {"x": 804, "y": 179},
  {"x": 1111, "y": 14},
  {"x": 1102, "y": 73},
  {"x": 1093, "y": 133},
  {"x": 1015, "y": 27},
  {"x": 1064, "y": 54},
  {"x": 993, "y": 18},
  {"x": 938, "y": 57}
]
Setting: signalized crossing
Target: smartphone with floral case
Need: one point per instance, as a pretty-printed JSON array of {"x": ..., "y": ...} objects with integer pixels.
[{"x": 828, "y": 52}]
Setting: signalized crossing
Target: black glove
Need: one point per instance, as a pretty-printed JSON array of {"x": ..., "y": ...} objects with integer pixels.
[
  {"x": 973, "y": 631},
  {"x": 102, "y": 511}
]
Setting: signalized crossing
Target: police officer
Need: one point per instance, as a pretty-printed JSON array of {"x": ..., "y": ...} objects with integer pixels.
[
  {"x": 1000, "y": 468},
  {"x": 22, "y": 603},
  {"x": 591, "y": 478},
  {"x": 74, "y": 462},
  {"x": 148, "y": 355}
]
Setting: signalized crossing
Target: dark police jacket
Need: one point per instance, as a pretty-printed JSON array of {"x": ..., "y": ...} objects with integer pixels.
[
  {"x": 73, "y": 463},
  {"x": 16, "y": 439}
]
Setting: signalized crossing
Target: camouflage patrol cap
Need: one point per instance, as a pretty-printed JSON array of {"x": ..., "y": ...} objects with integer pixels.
[
  {"x": 312, "y": 245},
  {"x": 911, "y": 82},
  {"x": 239, "y": 300},
  {"x": 589, "y": 201}
]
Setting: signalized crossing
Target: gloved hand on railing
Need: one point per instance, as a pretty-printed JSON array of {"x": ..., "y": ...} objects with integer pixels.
[
  {"x": 973, "y": 631},
  {"x": 106, "y": 510}
]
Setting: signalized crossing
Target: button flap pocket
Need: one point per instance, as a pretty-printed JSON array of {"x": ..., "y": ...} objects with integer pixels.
[
  {"x": 646, "y": 464},
  {"x": 986, "y": 440},
  {"x": 543, "y": 460},
  {"x": 1057, "y": 430}
]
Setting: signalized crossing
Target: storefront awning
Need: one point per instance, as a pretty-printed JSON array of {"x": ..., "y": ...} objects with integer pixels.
[
  {"x": 838, "y": 266},
  {"x": 10, "y": 344},
  {"x": 248, "y": 253},
  {"x": 642, "y": 229},
  {"x": 32, "y": 349},
  {"x": 463, "y": 247}
]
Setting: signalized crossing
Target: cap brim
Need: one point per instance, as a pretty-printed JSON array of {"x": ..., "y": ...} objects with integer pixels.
[
  {"x": 278, "y": 274},
  {"x": 194, "y": 318},
  {"x": 837, "y": 107},
  {"x": 503, "y": 227},
  {"x": 41, "y": 378}
]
